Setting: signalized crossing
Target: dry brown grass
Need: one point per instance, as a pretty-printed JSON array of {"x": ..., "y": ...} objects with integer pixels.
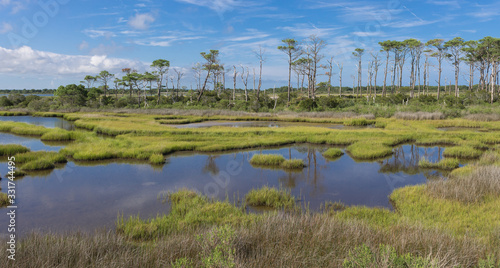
[
  {"x": 472, "y": 188},
  {"x": 283, "y": 240},
  {"x": 483, "y": 117},
  {"x": 419, "y": 116}
]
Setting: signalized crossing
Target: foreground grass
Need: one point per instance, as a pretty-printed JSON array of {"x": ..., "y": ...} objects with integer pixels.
[
  {"x": 333, "y": 153},
  {"x": 270, "y": 197},
  {"x": 4, "y": 200}
]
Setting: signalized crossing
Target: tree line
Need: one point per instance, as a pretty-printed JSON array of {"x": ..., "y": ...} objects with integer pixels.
[{"x": 306, "y": 61}]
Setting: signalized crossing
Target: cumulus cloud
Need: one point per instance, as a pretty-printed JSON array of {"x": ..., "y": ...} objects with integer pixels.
[
  {"x": 25, "y": 60},
  {"x": 141, "y": 21}
]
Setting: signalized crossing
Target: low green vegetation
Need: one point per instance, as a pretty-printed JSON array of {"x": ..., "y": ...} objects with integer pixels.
[
  {"x": 157, "y": 159},
  {"x": 466, "y": 152},
  {"x": 333, "y": 153},
  {"x": 444, "y": 164},
  {"x": 4, "y": 200},
  {"x": 384, "y": 256},
  {"x": 12, "y": 149},
  {"x": 267, "y": 160},
  {"x": 369, "y": 150},
  {"x": 293, "y": 164},
  {"x": 188, "y": 210},
  {"x": 270, "y": 197},
  {"x": 41, "y": 160}
]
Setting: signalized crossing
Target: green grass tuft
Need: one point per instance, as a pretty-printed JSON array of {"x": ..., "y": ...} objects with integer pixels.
[
  {"x": 369, "y": 150},
  {"x": 465, "y": 152},
  {"x": 267, "y": 160},
  {"x": 444, "y": 164},
  {"x": 57, "y": 135},
  {"x": 333, "y": 153},
  {"x": 293, "y": 164},
  {"x": 40, "y": 164},
  {"x": 270, "y": 197},
  {"x": 157, "y": 159},
  {"x": 12, "y": 149},
  {"x": 4, "y": 200}
]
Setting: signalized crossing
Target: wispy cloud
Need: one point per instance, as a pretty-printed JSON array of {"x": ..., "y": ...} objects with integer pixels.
[
  {"x": 369, "y": 34},
  {"x": 486, "y": 12},
  {"x": 452, "y": 4},
  {"x": 141, "y": 21},
  {"x": 250, "y": 35},
  {"x": 98, "y": 33},
  {"x": 306, "y": 30},
  {"x": 90, "y": 15},
  {"x": 219, "y": 6},
  {"x": 167, "y": 40},
  {"x": 410, "y": 23}
]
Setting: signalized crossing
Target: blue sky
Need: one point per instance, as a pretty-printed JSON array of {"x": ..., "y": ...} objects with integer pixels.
[{"x": 46, "y": 43}]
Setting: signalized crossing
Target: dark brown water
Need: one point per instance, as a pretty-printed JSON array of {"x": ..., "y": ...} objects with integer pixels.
[{"x": 86, "y": 196}]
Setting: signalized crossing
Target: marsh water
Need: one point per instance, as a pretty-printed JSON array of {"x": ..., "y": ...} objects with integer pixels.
[
  {"x": 271, "y": 124},
  {"x": 89, "y": 195},
  {"x": 49, "y": 122}
]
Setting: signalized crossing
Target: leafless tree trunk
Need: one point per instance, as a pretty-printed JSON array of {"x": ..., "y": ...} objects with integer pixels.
[
  {"x": 261, "y": 58},
  {"x": 341, "y": 68},
  {"x": 244, "y": 79},
  {"x": 234, "y": 82}
]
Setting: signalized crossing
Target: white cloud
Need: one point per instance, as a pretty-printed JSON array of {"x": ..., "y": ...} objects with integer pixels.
[
  {"x": 368, "y": 34},
  {"x": 26, "y": 60},
  {"x": 141, "y": 21},
  {"x": 167, "y": 40},
  {"x": 98, "y": 33},
  {"x": 453, "y": 4},
  {"x": 5, "y": 27}
]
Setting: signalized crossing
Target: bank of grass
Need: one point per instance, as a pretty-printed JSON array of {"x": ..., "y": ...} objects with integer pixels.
[
  {"x": 369, "y": 150},
  {"x": 463, "y": 152},
  {"x": 481, "y": 184},
  {"x": 189, "y": 211},
  {"x": 4, "y": 200},
  {"x": 270, "y": 197},
  {"x": 293, "y": 164},
  {"x": 157, "y": 159},
  {"x": 58, "y": 135},
  {"x": 333, "y": 153},
  {"x": 443, "y": 164},
  {"x": 12, "y": 149},
  {"x": 9, "y": 113},
  {"x": 273, "y": 160},
  {"x": 40, "y": 160}
]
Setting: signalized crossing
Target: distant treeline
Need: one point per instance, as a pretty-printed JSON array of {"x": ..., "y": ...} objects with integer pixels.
[{"x": 28, "y": 91}]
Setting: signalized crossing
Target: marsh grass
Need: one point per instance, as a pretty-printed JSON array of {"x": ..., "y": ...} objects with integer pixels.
[
  {"x": 9, "y": 113},
  {"x": 283, "y": 240},
  {"x": 293, "y": 164},
  {"x": 419, "y": 116},
  {"x": 333, "y": 153},
  {"x": 267, "y": 160},
  {"x": 464, "y": 152},
  {"x": 369, "y": 150},
  {"x": 12, "y": 149},
  {"x": 358, "y": 122},
  {"x": 188, "y": 211},
  {"x": 41, "y": 160},
  {"x": 270, "y": 197},
  {"x": 157, "y": 159},
  {"x": 58, "y": 135},
  {"x": 482, "y": 183},
  {"x": 444, "y": 164},
  {"x": 4, "y": 200}
]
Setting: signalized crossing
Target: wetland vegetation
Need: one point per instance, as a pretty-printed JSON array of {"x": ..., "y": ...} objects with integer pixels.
[{"x": 444, "y": 222}]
